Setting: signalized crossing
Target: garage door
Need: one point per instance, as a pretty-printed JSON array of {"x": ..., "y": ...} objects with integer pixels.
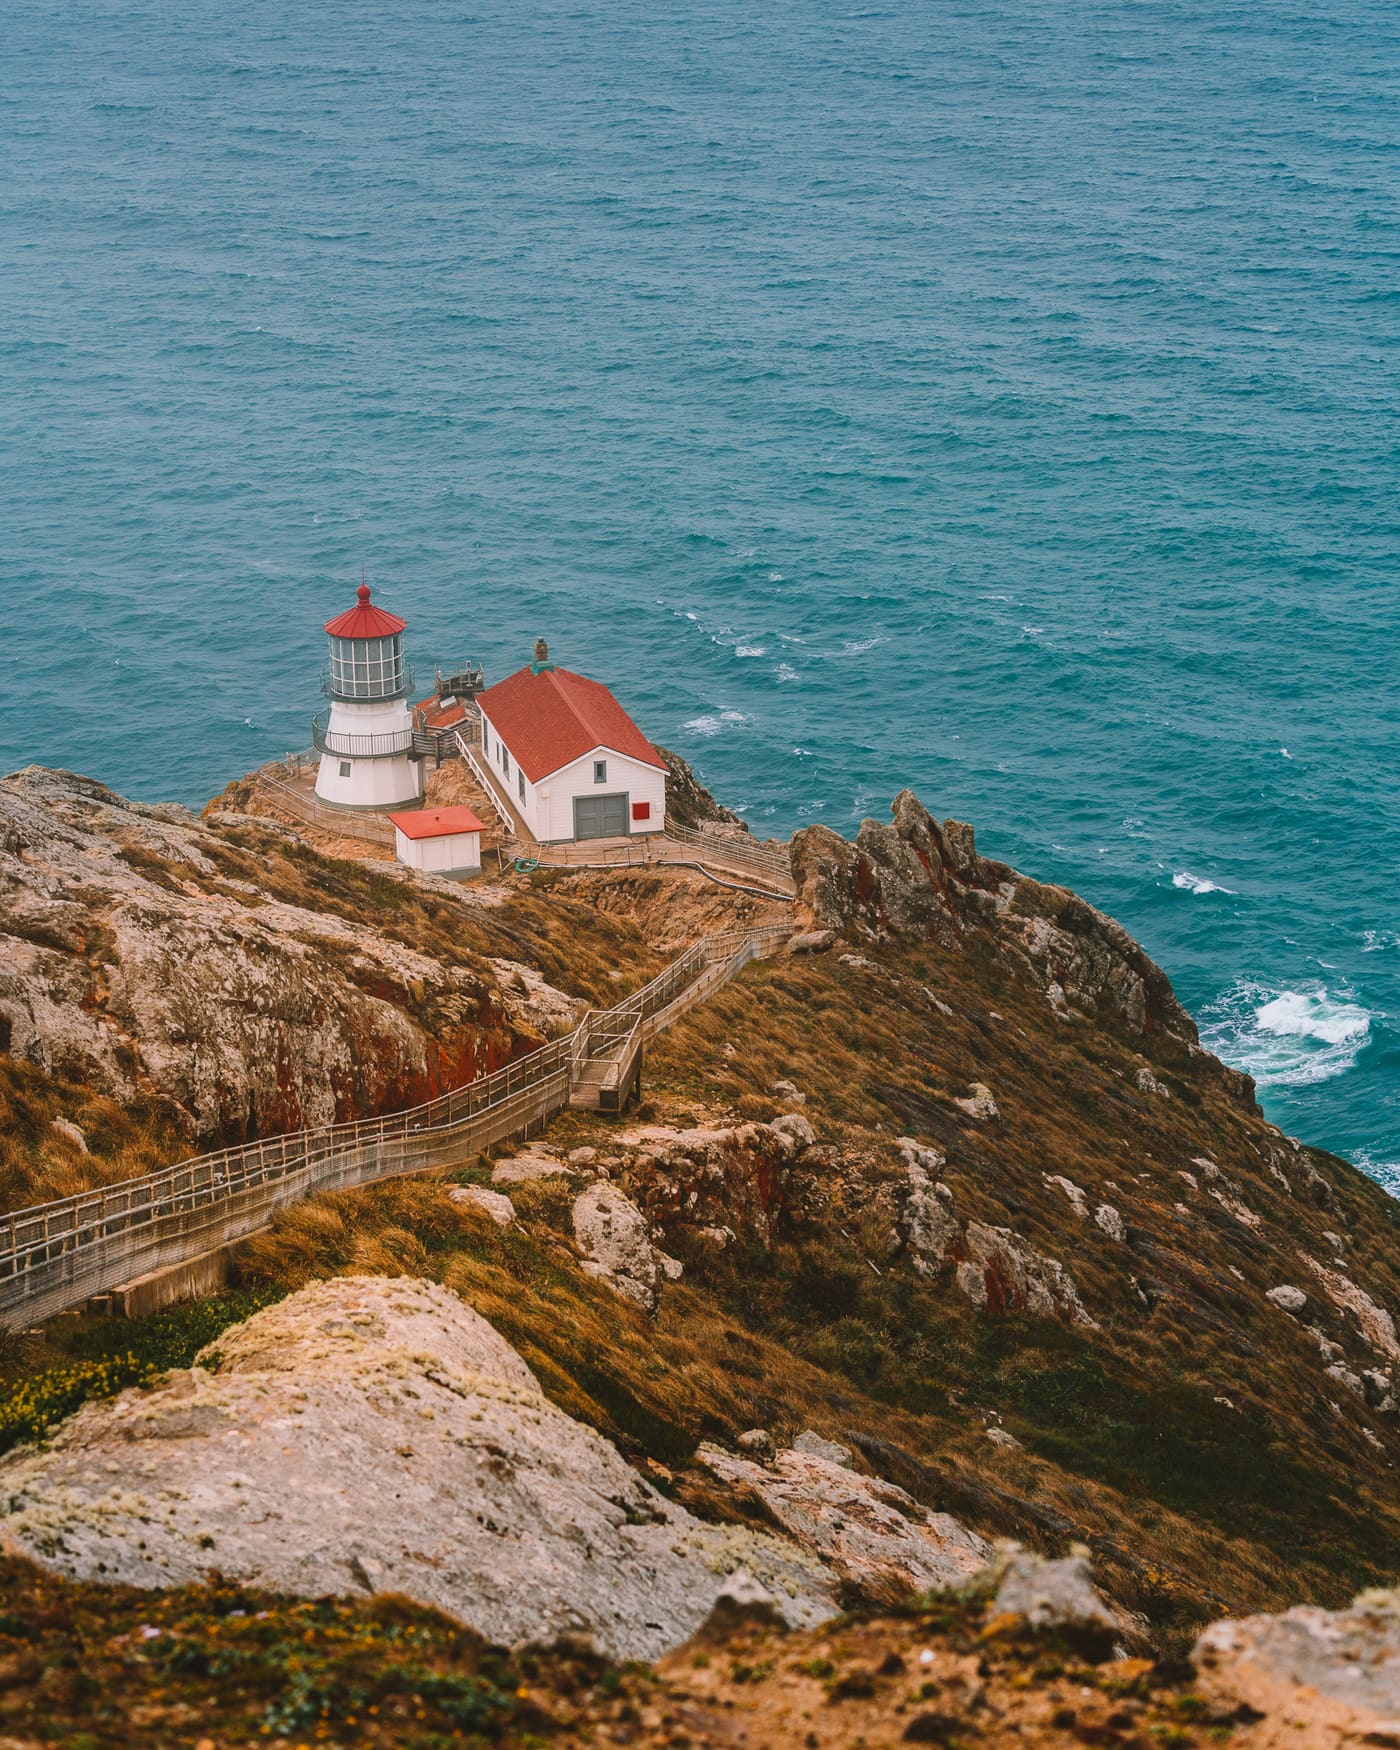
[{"x": 600, "y": 817}]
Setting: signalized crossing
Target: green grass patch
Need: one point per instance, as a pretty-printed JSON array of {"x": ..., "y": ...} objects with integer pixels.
[{"x": 107, "y": 1356}]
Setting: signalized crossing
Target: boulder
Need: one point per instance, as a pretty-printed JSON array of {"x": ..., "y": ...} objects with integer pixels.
[
  {"x": 1332, "y": 1675},
  {"x": 615, "y": 1240},
  {"x": 492, "y": 1203},
  {"x": 881, "y": 1541},
  {"x": 1048, "y": 1594},
  {"x": 979, "y": 1103},
  {"x": 1288, "y": 1298},
  {"x": 1108, "y": 1219},
  {"x": 375, "y": 1434},
  {"x": 816, "y": 1446}
]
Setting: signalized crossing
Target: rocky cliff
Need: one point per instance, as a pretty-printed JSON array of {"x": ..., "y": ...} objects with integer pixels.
[
  {"x": 224, "y": 972},
  {"x": 940, "y": 1228}
]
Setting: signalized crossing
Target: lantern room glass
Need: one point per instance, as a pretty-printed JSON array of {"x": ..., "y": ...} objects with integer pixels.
[{"x": 367, "y": 668}]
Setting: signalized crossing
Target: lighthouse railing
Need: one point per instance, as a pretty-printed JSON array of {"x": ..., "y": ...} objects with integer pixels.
[{"x": 359, "y": 747}]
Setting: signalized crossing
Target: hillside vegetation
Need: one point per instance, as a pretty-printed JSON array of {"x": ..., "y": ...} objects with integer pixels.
[{"x": 949, "y": 1188}]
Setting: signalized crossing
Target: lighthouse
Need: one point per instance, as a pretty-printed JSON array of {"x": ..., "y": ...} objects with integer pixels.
[{"x": 366, "y": 738}]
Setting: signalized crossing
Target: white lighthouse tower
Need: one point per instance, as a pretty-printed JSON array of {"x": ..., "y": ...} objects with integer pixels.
[{"x": 366, "y": 739}]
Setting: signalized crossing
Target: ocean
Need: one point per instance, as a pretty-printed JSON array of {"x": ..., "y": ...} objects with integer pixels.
[{"x": 993, "y": 397}]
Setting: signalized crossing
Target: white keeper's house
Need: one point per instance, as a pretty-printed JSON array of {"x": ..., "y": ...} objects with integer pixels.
[{"x": 573, "y": 762}]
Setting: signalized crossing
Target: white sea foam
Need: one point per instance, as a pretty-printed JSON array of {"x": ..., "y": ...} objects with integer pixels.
[
  {"x": 859, "y": 646},
  {"x": 1379, "y": 941},
  {"x": 750, "y": 650},
  {"x": 714, "y": 722},
  {"x": 1385, "y": 1173},
  {"x": 1290, "y": 1038},
  {"x": 785, "y": 672},
  {"x": 1198, "y": 883}
]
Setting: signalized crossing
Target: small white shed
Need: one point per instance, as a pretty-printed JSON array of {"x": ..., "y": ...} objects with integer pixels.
[{"x": 441, "y": 841}]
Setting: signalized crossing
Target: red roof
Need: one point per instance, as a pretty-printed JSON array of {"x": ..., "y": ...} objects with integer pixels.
[
  {"x": 550, "y": 719},
  {"x": 442, "y": 713},
  {"x": 436, "y": 823},
  {"x": 364, "y": 621}
]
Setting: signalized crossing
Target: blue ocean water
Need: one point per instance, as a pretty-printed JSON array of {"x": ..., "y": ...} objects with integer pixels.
[{"x": 993, "y": 396}]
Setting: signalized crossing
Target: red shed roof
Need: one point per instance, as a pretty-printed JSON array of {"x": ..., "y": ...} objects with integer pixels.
[
  {"x": 436, "y": 823},
  {"x": 551, "y": 718},
  {"x": 442, "y": 713},
  {"x": 364, "y": 621}
]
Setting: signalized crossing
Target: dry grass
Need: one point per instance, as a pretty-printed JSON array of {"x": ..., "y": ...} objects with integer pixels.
[
  {"x": 38, "y": 1162},
  {"x": 1191, "y": 1505}
]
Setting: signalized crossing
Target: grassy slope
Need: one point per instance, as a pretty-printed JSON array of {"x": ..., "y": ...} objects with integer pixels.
[{"x": 1192, "y": 1504}]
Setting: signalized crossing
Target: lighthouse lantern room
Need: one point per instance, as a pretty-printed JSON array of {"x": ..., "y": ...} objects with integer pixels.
[{"x": 365, "y": 739}]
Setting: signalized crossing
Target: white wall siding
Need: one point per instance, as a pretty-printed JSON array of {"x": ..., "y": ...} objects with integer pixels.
[
  {"x": 457, "y": 853},
  {"x": 626, "y": 776}
]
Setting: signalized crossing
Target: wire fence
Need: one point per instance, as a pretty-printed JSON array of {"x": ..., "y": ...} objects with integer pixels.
[{"x": 59, "y": 1254}]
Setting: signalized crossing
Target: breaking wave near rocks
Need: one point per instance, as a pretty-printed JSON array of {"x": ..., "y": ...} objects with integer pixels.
[{"x": 1286, "y": 1039}]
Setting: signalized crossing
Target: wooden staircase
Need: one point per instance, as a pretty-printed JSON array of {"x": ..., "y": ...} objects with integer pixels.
[{"x": 607, "y": 1063}]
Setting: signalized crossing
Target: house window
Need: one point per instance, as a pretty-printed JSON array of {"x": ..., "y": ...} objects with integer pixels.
[
  {"x": 345, "y": 768},
  {"x": 505, "y": 760},
  {"x": 600, "y": 771},
  {"x": 520, "y": 780}
]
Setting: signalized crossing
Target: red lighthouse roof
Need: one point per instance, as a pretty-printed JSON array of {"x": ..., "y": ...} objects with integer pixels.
[
  {"x": 365, "y": 621},
  {"x": 550, "y": 717}
]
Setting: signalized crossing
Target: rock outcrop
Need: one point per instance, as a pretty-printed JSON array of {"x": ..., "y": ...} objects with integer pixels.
[
  {"x": 1329, "y": 1677},
  {"x": 914, "y": 877},
  {"x": 373, "y": 1434},
  {"x": 615, "y": 1240},
  {"x": 882, "y": 1542},
  {"x": 715, "y": 1179},
  {"x": 142, "y": 954}
]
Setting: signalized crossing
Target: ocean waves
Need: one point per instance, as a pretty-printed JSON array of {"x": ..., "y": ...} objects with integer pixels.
[
  {"x": 1288, "y": 1038},
  {"x": 998, "y": 456}
]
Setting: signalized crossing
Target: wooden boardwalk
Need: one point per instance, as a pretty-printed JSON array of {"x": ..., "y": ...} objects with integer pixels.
[{"x": 58, "y": 1255}]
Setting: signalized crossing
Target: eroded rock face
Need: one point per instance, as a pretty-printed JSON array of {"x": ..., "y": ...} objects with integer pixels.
[
  {"x": 732, "y": 1176},
  {"x": 914, "y": 877},
  {"x": 131, "y": 961},
  {"x": 373, "y": 1434},
  {"x": 1000, "y": 1274},
  {"x": 879, "y": 1539}
]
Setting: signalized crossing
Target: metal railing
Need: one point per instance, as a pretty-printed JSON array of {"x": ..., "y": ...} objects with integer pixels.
[
  {"x": 772, "y": 873},
  {"x": 750, "y": 853},
  {"x": 59, "y": 1254},
  {"x": 359, "y": 747},
  {"x": 346, "y": 823},
  {"x": 488, "y": 784}
]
